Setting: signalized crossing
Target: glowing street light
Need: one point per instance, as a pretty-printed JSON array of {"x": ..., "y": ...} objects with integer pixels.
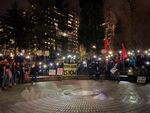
[
  {"x": 57, "y": 64},
  {"x": 147, "y": 63},
  {"x": 27, "y": 57},
  {"x": 64, "y": 34},
  {"x": 74, "y": 57},
  {"x": 11, "y": 55},
  {"x": 23, "y": 51},
  {"x": 58, "y": 54},
  {"x": 128, "y": 59},
  {"x": 146, "y": 52},
  {"x": 94, "y": 56},
  {"x": 69, "y": 56},
  {"x": 64, "y": 58},
  {"x": 1, "y": 54},
  {"x": 110, "y": 52},
  {"x": 94, "y": 47},
  {"x": 129, "y": 53},
  {"x": 120, "y": 52},
  {"x": 130, "y": 70},
  {"x": 44, "y": 66},
  {"x": 138, "y": 51},
  {"x": 40, "y": 63},
  {"x": 21, "y": 54},
  {"x": 51, "y": 64},
  {"x": 99, "y": 59},
  {"x": 84, "y": 62}
]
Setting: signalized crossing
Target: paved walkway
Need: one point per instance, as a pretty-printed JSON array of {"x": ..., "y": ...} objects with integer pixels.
[{"x": 76, "y": 96}]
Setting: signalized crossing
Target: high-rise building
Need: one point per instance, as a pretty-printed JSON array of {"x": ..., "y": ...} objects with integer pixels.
[
  {"x": 50, "y": 29},
  {"x": 69, "y": 36},
  {"x": 59, "y": 30},
  {"x": 5, "y": 31}
]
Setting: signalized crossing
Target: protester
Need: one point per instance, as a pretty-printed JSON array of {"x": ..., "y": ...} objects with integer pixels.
[
  {"x": 14, "y": 72},
  {"x": 17, "y": 70},
  {"x": 26, "y": 71},
  {"x": 34, "y": 72}
]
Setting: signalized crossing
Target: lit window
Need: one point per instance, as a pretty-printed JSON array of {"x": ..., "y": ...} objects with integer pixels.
[
  {"x": 69, "y": 22},
  {"x": 70, "y": 15},
  {"x": 1, "y": 30}
]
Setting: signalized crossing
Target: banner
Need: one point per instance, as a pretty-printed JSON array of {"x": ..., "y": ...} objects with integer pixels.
[
  {"x": 141, "y": 79},
  {"x": 70, "y": 70},
  {"x": 59, "y": 71},
  {"x": 52, "y": 72},
  {"x": 113, "y": 70},
  {"x": 124, "y": 54},
  {"x": 106, "y": 45}
]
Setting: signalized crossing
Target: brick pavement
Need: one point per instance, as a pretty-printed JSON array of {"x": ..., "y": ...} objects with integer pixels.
[{"x": 76, "y": 96}]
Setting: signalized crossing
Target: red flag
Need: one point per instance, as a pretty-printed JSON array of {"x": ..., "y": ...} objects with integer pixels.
[
  {"x": 106, "y": 45},
  {"x": 124, "y": 53}
]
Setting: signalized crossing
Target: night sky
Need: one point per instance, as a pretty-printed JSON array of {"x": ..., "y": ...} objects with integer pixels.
[
  {"x": 142, "y": 18},
  {"x": 4, "y": 4}
]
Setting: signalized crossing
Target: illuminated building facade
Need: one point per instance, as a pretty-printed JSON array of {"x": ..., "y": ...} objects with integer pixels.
[{"x": 59, "y": 30}]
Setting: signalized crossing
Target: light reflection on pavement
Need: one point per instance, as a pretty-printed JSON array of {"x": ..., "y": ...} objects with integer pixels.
[{"x": 76, "y": 96}]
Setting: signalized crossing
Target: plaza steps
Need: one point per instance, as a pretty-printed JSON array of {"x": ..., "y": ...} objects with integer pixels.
[
  {"x": 124, "y": 77},
  {"x": 79, "y": 77},
  {"x": 83, "y": 77}
]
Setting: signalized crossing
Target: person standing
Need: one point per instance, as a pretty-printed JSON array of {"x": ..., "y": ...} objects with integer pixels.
[
  {"x": 34, "y": 72},
  {"x": 4, "y": 77},
  {"x": 97, "y": 71},
  {"x": 7, "y": 76},
  {"x": 26, "y": 71},
  {"x": 14, "y": 73},
  {"x": 1, "y": 73},
  {"x": 20, "y": 73},
  {"x": 9, "y": 72},
  {"x": 18, "y": 70}
]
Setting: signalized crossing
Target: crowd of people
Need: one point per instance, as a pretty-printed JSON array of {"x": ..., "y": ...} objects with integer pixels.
[
  {"x": 12, "y": 72},
  {"x": 21, "y": 70},
  {"x": 112, "y": 66}
]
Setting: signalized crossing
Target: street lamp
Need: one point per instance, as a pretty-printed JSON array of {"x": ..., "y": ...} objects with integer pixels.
[
  {"x": 40, "y": 63},
  {"x": 69, "y": 56},
  {"x": 94, "y": 56},
  {"x": 94, "y": 47},
  {"x": 99, "y": 59},
  {"x": 44, "y": 66},
  {"x": 21, "y": 54},
  {"x": 27, "y": 57},
  {"x": 110, "y": 52},
  {"x": 58, "y": 54},
  {"x": 64, "y": 34},
  {"x": 51, "y": 64},
  {"x": 120, "y": 52},
  {"x": 1, "y": 54},
  {"x": 64, "y": 58},
  {"x": 147, "y": 63}
]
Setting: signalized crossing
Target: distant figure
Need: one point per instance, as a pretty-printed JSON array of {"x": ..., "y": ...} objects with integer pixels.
[
  {"x": 34, "y": 72},
  {"x": 26, "y": 71},
  {"x": 97, "y": 71}
]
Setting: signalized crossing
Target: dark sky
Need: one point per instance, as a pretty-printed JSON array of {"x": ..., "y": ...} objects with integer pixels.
[{"x": 4, "y": 4}]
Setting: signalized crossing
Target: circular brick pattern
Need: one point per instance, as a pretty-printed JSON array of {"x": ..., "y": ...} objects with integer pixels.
[{"x": 86, "y": 97}]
